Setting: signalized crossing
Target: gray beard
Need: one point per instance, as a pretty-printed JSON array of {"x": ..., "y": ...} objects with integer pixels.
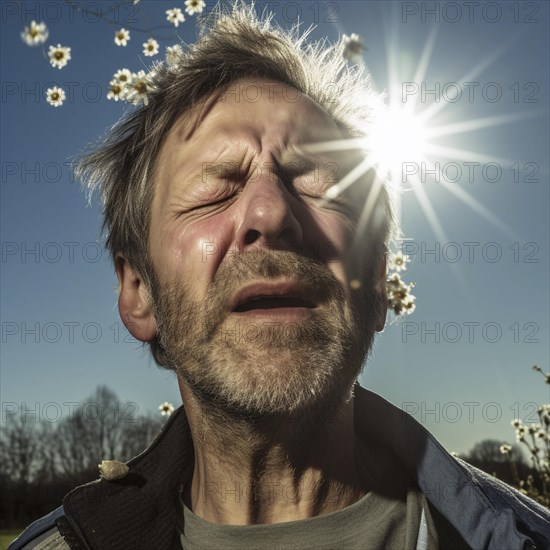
[{"x": 260, "y": 369}]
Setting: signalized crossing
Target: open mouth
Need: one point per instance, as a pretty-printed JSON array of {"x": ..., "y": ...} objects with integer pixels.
[
  {"x": 275, "y": 298},
  {"x": 273, "y": 302}
]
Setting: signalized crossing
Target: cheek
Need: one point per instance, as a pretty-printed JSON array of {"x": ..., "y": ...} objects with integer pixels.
[
  {"x": 194, "y": 251},
  {"x": 331, "y": 234},
  {"x": 331, "y": 237}
]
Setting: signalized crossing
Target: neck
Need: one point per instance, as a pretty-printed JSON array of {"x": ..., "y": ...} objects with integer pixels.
[{"x": 272, "y": 469}]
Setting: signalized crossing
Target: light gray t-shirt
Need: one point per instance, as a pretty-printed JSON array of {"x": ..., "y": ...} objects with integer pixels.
[{"x": 378, "y": 521}]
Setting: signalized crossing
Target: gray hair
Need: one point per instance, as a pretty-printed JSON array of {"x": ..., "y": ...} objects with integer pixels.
[{"x": 234, "y": 43}]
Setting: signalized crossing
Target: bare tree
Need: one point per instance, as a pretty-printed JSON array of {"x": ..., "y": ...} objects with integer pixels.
[
  {"x": 102, "y": 428},
  {"x": 40, "y": 462},
  {"x": 138, "y": 436},
  {"x": 18, "y": 448}
]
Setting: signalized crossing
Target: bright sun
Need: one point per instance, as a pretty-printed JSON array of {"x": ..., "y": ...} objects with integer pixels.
[{"x": 397, "y": 137}]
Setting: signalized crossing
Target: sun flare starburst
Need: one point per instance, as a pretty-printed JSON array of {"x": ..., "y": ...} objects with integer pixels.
[{"x": 397, "y": 137}]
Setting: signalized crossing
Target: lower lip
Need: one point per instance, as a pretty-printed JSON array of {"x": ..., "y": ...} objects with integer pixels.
[{"x": 279, "y": 313}]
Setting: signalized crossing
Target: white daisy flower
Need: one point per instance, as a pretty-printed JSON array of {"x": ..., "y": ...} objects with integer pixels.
[
  {"x": 400, "y": 299},
  {"x": 408, "y": 305},
  {"x": 505, "y": 449},
  {"x": 175, "y": 16},
  {"x": 59, "y": 56},
  {"x": 166, "y": 409},
  {"x": 151, "y": 47},
  {"x": 116, "y": 90},
  {"x": 398, "y": 261},
  {"x": 194, "y": 6},
  {"x": 394, "y": 281},
  {"x": 137, "y": 89},
  {"x": 35, "y": 34},
  {"x": 55, "y": 96},
  {"x": 172, "y": 54},
  {"x": 121, "y": 37},
  {"x": 353, "y": 46},
  {"x": 123, "y": 76}
]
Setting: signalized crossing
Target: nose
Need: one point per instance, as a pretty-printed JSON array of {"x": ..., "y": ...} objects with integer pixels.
[{"x": 268, "y": 219}]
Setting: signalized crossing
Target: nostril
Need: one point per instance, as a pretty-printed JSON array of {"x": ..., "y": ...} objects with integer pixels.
[{"x": 251, "y": 236}]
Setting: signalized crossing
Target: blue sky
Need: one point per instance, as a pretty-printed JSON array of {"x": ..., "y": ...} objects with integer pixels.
[{"x": 460, "y": 363}]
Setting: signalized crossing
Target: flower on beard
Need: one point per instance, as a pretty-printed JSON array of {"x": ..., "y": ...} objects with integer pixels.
[
  {"x": 400, "y": 299},
  {"x": 398, "y": 261}
]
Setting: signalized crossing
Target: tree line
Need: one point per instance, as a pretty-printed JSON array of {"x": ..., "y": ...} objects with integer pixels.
[{"x": 41, "y": 461}]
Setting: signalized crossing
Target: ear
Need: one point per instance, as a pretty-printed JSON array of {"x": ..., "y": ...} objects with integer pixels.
[
  {"x": 382, "y": 296},
  {"x": 134, "y": 302}
]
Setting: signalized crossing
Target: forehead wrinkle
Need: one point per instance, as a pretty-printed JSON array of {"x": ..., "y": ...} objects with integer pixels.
[
  {"x": 221, "y": 128},
  {"x": 192, "y": 120}
]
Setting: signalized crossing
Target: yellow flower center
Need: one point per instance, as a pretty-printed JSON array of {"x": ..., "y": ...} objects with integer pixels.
[
  {"x": 141, "y": 87},
  {"x": 55, "y": 96},
  {"x": 59, "y": 54}
]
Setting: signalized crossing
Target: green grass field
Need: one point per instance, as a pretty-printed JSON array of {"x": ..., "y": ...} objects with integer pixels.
[{"x": 7, "y": 536}]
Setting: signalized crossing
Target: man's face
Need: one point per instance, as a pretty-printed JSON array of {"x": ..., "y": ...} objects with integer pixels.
[{"x": 251, "y": 291}]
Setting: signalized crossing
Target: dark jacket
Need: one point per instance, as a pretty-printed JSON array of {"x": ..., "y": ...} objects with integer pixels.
[{"x": 143, "y": 508}]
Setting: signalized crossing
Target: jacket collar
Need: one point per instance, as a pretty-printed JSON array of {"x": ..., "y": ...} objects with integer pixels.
[
  {"x": 143, "y": 509},
  {"x": 487, "y": 513}
]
